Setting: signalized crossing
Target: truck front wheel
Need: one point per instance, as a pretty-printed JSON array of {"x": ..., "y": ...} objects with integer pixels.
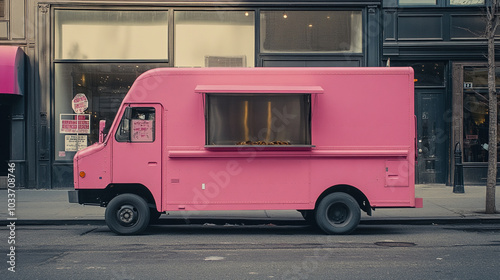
[
  {"x": 127, "y": 214},
  {"x": 338, "y": 213}
]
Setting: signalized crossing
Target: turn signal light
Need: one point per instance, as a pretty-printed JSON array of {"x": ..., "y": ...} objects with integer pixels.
[{"x": 82, "y": 174}]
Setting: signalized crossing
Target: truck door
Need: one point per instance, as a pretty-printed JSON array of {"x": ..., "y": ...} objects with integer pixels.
[{"x": 137, "y": 148}]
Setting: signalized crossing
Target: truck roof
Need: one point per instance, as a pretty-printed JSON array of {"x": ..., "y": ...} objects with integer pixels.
[
  {"x": 161, "y": 81},
  {"x": 276, "y": 70}
]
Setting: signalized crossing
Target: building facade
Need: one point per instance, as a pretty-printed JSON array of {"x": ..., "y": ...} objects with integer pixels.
[{"x": 97, "y": 49}]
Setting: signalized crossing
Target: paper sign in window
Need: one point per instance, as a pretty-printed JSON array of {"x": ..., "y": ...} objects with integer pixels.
[
  {"x": 142, "y": 131},
  {"x": 74, "y": 123},
  {"x": 73, "y": 143}
]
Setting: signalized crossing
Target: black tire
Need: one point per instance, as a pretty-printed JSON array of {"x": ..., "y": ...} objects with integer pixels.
[
  {"x": 127, "y": 214},
  {"x": 338, "y": 213}
]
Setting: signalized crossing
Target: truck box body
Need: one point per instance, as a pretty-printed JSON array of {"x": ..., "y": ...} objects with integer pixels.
[{"x": 259, "y": 139}]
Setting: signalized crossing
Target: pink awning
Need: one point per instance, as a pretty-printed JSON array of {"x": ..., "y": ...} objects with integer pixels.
[
  {"x": 11, "y": 70},
  {"x": 258, "y": 89}
]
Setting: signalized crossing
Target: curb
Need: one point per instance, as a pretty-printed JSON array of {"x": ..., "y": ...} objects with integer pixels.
[{"x": 248, "y": 221}]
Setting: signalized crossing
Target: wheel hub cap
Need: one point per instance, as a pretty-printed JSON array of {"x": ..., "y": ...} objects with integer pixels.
[{"x": 127, "y": 215}]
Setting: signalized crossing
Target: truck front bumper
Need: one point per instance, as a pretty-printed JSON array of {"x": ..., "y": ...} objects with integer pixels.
[
  {"x": 87, "y": 197},
  {"x": 73, "y": 196}
]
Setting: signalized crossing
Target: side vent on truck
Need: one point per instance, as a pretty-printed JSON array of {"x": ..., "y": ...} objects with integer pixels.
[
  {"x": 396, "y": 173},
  {"x": 225, "y": 61}
]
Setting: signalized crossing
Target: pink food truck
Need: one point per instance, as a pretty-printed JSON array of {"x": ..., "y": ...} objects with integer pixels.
[{"x": 328, "y": 142}]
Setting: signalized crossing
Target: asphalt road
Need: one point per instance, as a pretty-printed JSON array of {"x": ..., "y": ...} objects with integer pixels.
[{"x": 254, "y": 252}]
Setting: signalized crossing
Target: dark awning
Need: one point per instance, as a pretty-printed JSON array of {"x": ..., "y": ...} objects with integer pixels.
[{"x": 11, "y": 70}]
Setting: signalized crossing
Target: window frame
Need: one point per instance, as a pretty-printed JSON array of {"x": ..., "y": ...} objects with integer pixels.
[{"x": 55, "y": 61}]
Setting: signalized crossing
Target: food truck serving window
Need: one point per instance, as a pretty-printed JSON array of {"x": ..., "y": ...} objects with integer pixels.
[
  {"x": 137, "y": 125},
  {"x": 258, "y": 119}
]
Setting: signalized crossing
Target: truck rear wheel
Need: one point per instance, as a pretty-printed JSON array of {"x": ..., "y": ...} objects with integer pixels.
[
  {"x": 127, "y": 214},
  {"x": 338, "y": 213}
]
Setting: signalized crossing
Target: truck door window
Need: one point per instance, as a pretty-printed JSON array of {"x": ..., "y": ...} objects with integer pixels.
[
  {"x": 137, "y": 125},
  {"x": 258, "y": 119}
]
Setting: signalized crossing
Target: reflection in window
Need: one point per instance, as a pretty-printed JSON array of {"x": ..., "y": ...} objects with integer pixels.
[
  {"x": 469, "y": 26},
  {"x": 280, "y": 119},
  {"x": 477, "y": 77},
  {"x": 426, "y": 73},
  {"x": 476, "y": 118},
  {"x": 311, "y": 31},
  {"x": 104, "y": 85},
  {"x": 84, "y": 34},
  {"x": 466, "y": 2},
  {"x": 214, "y": 38}
]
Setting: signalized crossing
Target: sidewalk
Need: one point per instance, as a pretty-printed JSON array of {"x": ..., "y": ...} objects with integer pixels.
[{"x": 440, "y": 205}]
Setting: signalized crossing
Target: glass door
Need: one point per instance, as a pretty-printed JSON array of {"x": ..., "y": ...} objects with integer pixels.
[{"x": 432, "y": 138}]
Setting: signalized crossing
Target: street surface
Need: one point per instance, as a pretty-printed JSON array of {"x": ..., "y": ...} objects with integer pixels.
[{"x": 255, "y": 252}]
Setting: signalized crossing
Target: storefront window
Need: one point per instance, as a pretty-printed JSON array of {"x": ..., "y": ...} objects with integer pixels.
[
  {"x": 429, "y": 74},
  {"x": 87, "y": 34},
  {"x": 416, "y": 2},
  {"x": 466, "y": 2},
  {"x": 260, "y": 119},
  {"x": 104, "y": 85},
  {"x": 2, "y": 8},
  {"x": 214, "y": 38},
  {"x": 311, "y": 31},
  {"x": 476, "y": 119}
]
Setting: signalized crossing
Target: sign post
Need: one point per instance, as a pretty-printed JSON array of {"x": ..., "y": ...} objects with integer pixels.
[{"x": 80, "y": 103}]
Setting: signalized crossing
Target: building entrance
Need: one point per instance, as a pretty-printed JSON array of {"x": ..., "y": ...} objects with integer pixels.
[
  {"x": 471, "y": 118},
  {"x": 5, "y": 128},
  {"x": 432, "y": 138}
]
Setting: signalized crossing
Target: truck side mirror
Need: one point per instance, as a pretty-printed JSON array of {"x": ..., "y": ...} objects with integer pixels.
[{"x": 102, "y": 125}]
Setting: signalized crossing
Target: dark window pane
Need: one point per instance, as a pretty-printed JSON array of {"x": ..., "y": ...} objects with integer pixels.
[
  {"x": 416, "y": 2},
  {"x": 282, "y": 119},
  {"x": 416, "y": 27},
  {"x": 311, "y": 31},
  {"x": 468, "y": 26},
  {"x": 2, "y": 8},
  {"x": 477, "y": 77},
  {"x": 426, "y": 73},
  {"x": 476, "y": 118}
]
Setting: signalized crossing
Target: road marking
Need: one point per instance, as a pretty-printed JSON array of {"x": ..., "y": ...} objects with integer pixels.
[{"x": 214, "y": 258}]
